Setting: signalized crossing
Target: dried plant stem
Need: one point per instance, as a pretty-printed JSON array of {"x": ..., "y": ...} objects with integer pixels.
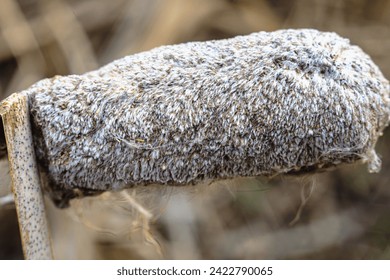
[
  {"x": 25, "y": 178},
  {"x": 4, "y": 200}
]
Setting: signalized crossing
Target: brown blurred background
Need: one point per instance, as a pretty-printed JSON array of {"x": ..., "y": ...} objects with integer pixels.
[{"x": 342, "y": 214}]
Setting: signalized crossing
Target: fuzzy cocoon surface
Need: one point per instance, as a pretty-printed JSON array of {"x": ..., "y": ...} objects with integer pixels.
[{"x": 263, "y": 104}]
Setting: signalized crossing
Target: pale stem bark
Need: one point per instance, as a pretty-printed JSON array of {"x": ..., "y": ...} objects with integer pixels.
[{"x": 25, "y": 178}]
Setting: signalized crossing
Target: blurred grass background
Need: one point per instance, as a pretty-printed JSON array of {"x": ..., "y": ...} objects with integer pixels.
[{"x": 342, "y": 214}]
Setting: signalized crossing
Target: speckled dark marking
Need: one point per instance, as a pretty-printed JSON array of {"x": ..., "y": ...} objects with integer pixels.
[{"x": 25, "y": 179}]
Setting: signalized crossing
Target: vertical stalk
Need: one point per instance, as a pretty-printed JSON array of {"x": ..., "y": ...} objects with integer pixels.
[{"x": 25, "y": 178}]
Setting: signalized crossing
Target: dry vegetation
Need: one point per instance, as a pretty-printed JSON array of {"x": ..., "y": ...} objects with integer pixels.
[{"x": 341, "y": 214}]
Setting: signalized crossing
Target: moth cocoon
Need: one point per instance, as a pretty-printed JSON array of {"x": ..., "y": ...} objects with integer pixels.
[{"x": 267, "y": 103}]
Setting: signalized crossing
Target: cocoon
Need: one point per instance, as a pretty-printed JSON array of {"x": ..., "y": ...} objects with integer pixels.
[{"x": 288, "y": 101}]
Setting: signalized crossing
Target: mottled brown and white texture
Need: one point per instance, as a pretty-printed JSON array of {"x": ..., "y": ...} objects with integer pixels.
[{"x": 263, "y": 104}]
